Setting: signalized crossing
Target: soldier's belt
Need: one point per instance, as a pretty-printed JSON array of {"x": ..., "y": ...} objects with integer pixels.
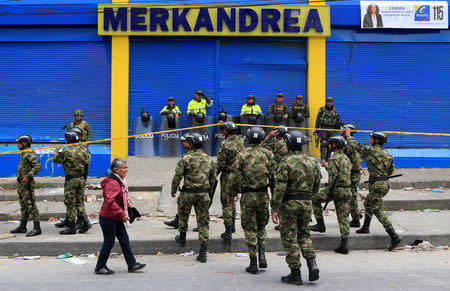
[
  {"x": 194, "y": 190},
  {"x": 297, "y": 196},
  {"x": 70, "y": 177},
  {"x": 248, "y": 189},
  {"x": 376, "y": 179}
]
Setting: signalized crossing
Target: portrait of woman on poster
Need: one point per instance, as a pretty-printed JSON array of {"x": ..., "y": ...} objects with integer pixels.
[{"x": 372, "y": 19}]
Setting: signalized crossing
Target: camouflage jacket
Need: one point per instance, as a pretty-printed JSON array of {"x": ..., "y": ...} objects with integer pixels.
[
  {"x": 85, "y": 127},
  {"x": 277, "y": 147},
  {"x": 339, "y": 172},
  {"x": 29, "y": 165},
  {"x": 297, "y": 174},
  {"x": 197, "y": 169},
  {"x": 302, "y": 108},
  {"x": 278, "y": 108},
  {"x": 327, "y": 118},
  {"x": 228, "y": 152},
  {"x": 253, "y": 168},
  {"x": 75, "y": 159},
  {"x": 379, "y": 161},
  {"x": 355, "y": 158}
]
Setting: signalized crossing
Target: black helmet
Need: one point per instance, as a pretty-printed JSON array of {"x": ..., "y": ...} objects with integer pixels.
[
  {"x": 351, "y": 126},
  {"x": 195, "y": 138},
  {"x": 222, "y": 115},
  {"x": 255, "y": 134},
  {"x": 298, "y": 117},
  {"x": 278, "y": 117},
  {"x": 230, "y": 126},
  {"x": 381, "y": 135},
  {"x": 339, "y": 140},
  {"x": 183, "y": 137},
  {"x": 24, "y": 137},
  {"x": 77, "y": 130},
  {"x": 199, "y": 117},
  {"x": 295, "y": 139},
  {"x": 171, "y": 120},
  {"x": 145, "y": 117},
  {"x": 252, "y": 118},
  {"x": 72, "y": 136}
]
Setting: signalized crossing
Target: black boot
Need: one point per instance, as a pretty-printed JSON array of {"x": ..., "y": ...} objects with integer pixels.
[
  {"x": 233, "y": 225},
  {"x": 195, "y": 229},
  {"x": 395, "y": 238},
  {"x": 253, "y": 268},
  {"x": 313, "y": 270},
  {"x": 62, "y": 223},
  {"x": 202, "y": 254},
  {"x": 70, "y": 228},
  {"x": 85, "y": 224},
  {"x": 173, "y": 223},
  {"x": 355, "y": 223},
  {"x": 79, "y": 223},
  {"x": 36, "y": 230},
  {"x": 181, "y": 239},
  {"x": 366, "y": 225},
  {"x": 293, "y": 278},
  {"x": 227, "y": 235},
  {"x": 320, "y": 226},
  {"x": 262, "y": 256},
  {"x": 22, "y": 227},
  {"x": 343, "y": 248}
]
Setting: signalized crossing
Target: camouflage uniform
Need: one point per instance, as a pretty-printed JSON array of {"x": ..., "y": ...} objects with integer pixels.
[
  {"x": 278, "y": 108},
  {"x": 380, "y": 163},
  {"x": 85, "y": 127},
  {"x": 356, "y": 160},
  {"x": 339, "y": 168},
  {"x": 199, "y": 173},
  {"x": 29, "y": 166},
  {"x": 225, "y": 161},
  {"x": 297, "y": 174},
  {"x": 302, "y": 108},
  {"x": 75, "y": 161},
  {"x": 326, "y": 118},
  {"x": 277, "y": 147},
  {"x": 252, "y": 170}
]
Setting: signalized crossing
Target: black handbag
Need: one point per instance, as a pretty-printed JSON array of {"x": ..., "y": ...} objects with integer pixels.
[{"x": 133, "y": 213}]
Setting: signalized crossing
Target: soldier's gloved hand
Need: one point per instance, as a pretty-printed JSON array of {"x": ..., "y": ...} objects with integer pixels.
[
  {"x": 275, "y": 217},
  {"x": 25, "y": 180}
]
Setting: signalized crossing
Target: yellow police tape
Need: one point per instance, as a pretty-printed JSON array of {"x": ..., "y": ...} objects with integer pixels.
[{"x": 210, "y": 125}]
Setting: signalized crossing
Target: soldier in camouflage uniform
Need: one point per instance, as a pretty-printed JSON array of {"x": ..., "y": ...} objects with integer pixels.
[
  {"x": 226, "y": 157},
  {"x": 278, "y": 109},
  {"x": 199, "y": 173},
  {"x": 251, "y": 174},
  {"x": 75, "y": 159},
  {"x": 356, "y": 159},
  {"x": 328, "y": 117},
  {"x": 29, "y": 166},
  {"x": 338, "y": 190},
  {"x": 297, "y": 180},
  {"x": 81, "y": 124},
  {"x": 380, "y": 164}
]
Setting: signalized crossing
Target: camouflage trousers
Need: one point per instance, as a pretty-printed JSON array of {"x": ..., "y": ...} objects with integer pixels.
[
  {"x": 74, "y": 198},
  {"x": 374, "y": 202},
  {"x": 200, "y": 201},
  {"x": 254, "y": 218},
  {"x": 353, "y": 203},
  {"x": 342, "y": 208},
  {"x": 294, "y": 230},
  {"x": 228, "y": 212},
  {"x": 27, "y": 201}
]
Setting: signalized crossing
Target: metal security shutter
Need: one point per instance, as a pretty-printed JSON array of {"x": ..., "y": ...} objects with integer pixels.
[
  {"x": 392, "y": 86},
  {"x": 44, "y": 82},
  {"x": 261, "y": 68}
]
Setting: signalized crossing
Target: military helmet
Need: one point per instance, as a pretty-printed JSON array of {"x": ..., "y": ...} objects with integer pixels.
[
  {"x": 195, "y": 138},
  {"x": 171, "y": 120},
  {"x": 24, "y": 137},
  {"x": 295, "y": 139},
  {"x": 381, "y": 135},
  {"x": 282, "y": 130},
  {"x": 339, "y": 140},
  {"x": 230, "y": 126},
  {"x": 78, "y": 112},
  {"x": 255, "y": 134},
  {"x": 72, "y": 136},
  {"x": 77, "y": 130},
  {"x": 351, "y": 127},
  {"x": 145, "y": 117},
  {"x": 222, "y": 115},
  {"x": 199, "y": 117},
  {"x": 278, "y": 117},
  {"x": 298, "y": 117},
  {"x": 183, "y": 137}
]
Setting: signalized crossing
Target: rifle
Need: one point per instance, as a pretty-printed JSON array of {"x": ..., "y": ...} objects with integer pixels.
[
  {"x": 316, "y": 137},
  {"x": 329, "y": 197},
  {"x": 212, "y": 192},
  {"x": 390, "y": 177},
  {"x": 272, "y": 184}
]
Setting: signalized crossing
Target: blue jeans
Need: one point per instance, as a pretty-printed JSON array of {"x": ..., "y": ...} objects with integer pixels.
[{"x": 112, "y": 229}]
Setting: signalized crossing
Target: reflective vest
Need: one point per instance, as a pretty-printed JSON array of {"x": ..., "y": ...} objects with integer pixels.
[
  {"x": 195, "y": 106},
  {"x": 174, "y": 110},
  {"x": 251, "y": 109}
]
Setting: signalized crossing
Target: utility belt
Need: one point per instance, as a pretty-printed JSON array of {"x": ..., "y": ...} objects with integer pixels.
[
  {"x": 376, "y": 179},
  {"x": 248, "y": 189},
  {"x": 193, "y": 190},
  {"x": 297, "y": 196},
  {"x": 70, "y": 177}
]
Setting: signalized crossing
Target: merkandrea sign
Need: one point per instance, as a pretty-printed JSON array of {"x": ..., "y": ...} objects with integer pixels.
[{"x": 213, "y": 20}]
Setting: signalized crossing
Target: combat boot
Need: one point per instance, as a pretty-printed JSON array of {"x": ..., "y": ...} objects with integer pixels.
[
  {"x": 79, "y": 223},
  {"x": 181, "y": 239},
  {"x": 227, "y": 235},
  {"x": 61, "y": 224},
  {"x": 173, "y": 223},
  {"x": 253, "y": 268},
  {"x": 395, "y": 238},
  {"x": 343, "y": 248},
  {"x": 85, "y": 225},
  {"x": 366, "y": 225},
  {"x": 22, "y": 227},
  {"x": 195, "y": 229},
  {"x": 202, "y": 254},
  {"x": 36, "y": 230},
  {"x": 293, "y": 278},
  {"x": 70, "y": 228},
  {"x": 313, "y": 270},
  {"x": 262, "y": 256},
  {"x": 233, "y": 225},
  {"x": 355, "y": 223},
  {"x": 320, "y": 226}
]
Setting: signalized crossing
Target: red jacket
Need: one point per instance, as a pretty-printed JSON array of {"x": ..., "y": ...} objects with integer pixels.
[{"x": 112, "y": 206}]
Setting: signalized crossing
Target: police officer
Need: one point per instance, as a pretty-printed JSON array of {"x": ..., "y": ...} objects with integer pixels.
[
  {"x": 197, "y": 106},
  {"x": 380, "y": 164},
  {"x": 29, "y": 166},
  {"x": 226, "y": 157},
  {"x": 327, "y": 118},
  {"x": 278, "y": 109},
  {"x": 337, "y": 189},
  {"x": 251, "y": 174},
  {"x": 171, "y": 108},
  {"x": 298, "y": 111},
  {"x": 199, "y": 173},
  {"x": 356, "y": 159},
  {"x": 297, "y": 180},
  {"x": 75, "y": 159},
  {"x": 251, "y": 110},
  {"x": 81, "y": 124}
]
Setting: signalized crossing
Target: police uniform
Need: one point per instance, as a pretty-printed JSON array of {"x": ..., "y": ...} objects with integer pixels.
[
  {"x": 278, "y": 108},
  {"x": 200, "y": 106},
  {"x": 327, "y": 118},
  {"x": 170, "y": 109},
  {"x": 301, "y": 108}
]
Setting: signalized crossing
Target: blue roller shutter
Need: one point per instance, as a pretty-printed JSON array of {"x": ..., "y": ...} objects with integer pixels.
[{"x": 44, "y": 82}]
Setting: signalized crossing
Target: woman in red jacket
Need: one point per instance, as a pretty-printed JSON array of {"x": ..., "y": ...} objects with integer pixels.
[{"x": 112, "y": 217}]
